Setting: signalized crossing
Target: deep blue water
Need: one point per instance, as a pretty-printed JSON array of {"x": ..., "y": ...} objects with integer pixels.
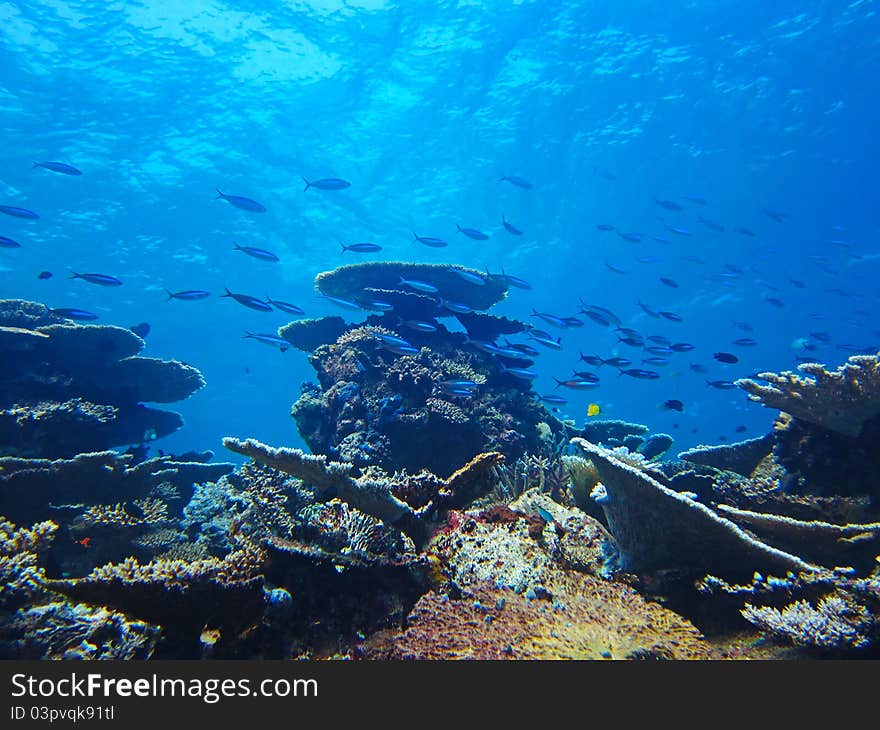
[{"x": 604, "y": 106}]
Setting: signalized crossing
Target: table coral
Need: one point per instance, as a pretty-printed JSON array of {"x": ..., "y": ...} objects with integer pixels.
[
  {"x": 70, "y": 388},
  {"x": 655, "y": 527},
  {"x": 840, "y": 400}
]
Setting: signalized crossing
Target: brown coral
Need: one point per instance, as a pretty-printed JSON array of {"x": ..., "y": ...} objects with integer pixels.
[{"x": 593, "y": 619}]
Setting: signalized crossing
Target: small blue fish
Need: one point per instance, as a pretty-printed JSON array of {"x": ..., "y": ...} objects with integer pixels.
[
  {"x": 682, "y": 347},
  {"x": 455, "y": 307},
  {"x": 44, "y": 275},
  {"x": 668, "y": 204},
  {"x": 545, "y": 515},
  {"x": 471, "y": 276},
  {"x": 418, "y": 326},
  {"x": 6, "y": 242},
  {"x": 470, "y": 384},
  {"x": 430, "y": 241},
  {"x": 576, "y": 383},
  {"x": 285, "y": 306},
  {"x": 361, "y": 247},
  {"x": 641, "y": 374},
  {"x": 257, "y": 253},
  {"x": 399, "y": 349},
  {"x": 421, "y": 286},
  {"x": 79, "y": 315},
  {"x": 513, "y": 280},
  {"x": 61, "y": 167},
  {"x": 513, "y": 230},
  {"x": 247, "y": 300},
  {"x": 550, "y": 319},
  {"x": 391, "y": 339},
  {"x": 472, "y": 233},
  {"x": 631, "y": 237},
  {"x": 99, "y": 279},
  {"x": 521, "y": 373},
  {"x": 343, "y": 303},
  {"x": 557, "y": 399},
  {"x": 671, "y": 316},
  {"x": 327, "y": 183},
  {"x": 17, "y": 212},
  {"x": 721, "y": 384},
  {"x": 615, "y": 269},
  {"x": 377, "y": 305},
  {"x": 520, "y": 182},
  {"x": 240, "y": 202},
  {"x": 272, "y": 340},
  {"x": 524, "y": 349},
  {"x": 188, "y": 295}
]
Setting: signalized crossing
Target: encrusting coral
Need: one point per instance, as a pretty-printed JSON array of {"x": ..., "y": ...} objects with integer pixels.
[{"x": 590, "y": 619}]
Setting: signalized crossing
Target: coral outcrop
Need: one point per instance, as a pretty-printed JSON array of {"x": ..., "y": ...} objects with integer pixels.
[
  {"x": 67, "y": 388},
  {"x": 841, "y": 400},
  {"x": 591, "y": 619}
]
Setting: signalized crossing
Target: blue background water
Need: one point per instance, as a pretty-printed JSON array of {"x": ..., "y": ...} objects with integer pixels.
[{"x": 423, "y": 105}]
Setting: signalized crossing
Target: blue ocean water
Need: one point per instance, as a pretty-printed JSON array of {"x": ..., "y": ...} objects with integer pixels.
[{"x": 605, "y": 107}]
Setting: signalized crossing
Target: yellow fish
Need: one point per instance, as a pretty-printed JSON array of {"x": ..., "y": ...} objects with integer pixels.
[{"x": 593, "y": 410}]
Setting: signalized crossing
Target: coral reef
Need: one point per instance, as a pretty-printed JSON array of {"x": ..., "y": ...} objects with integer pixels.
[
  {"x": 655, "y": 527},
  {"x": 399, "y": 500},
  {"x": 742, "y": 457},
  {"x": 69, "y": 388},
  {"x": 60, "y": 630},
  {"x": 840, "y": 401},
  {"x": 589, "y": 619},
  {"x": 309, "y": 334},
  {"x": 403, "y": 411}
]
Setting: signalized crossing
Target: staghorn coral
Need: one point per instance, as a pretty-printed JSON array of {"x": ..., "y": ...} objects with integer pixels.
[
  {"x": 655, "y": 527},
  {"x": 589, "y": 619},
  {"x": 840, "y": 401}
]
